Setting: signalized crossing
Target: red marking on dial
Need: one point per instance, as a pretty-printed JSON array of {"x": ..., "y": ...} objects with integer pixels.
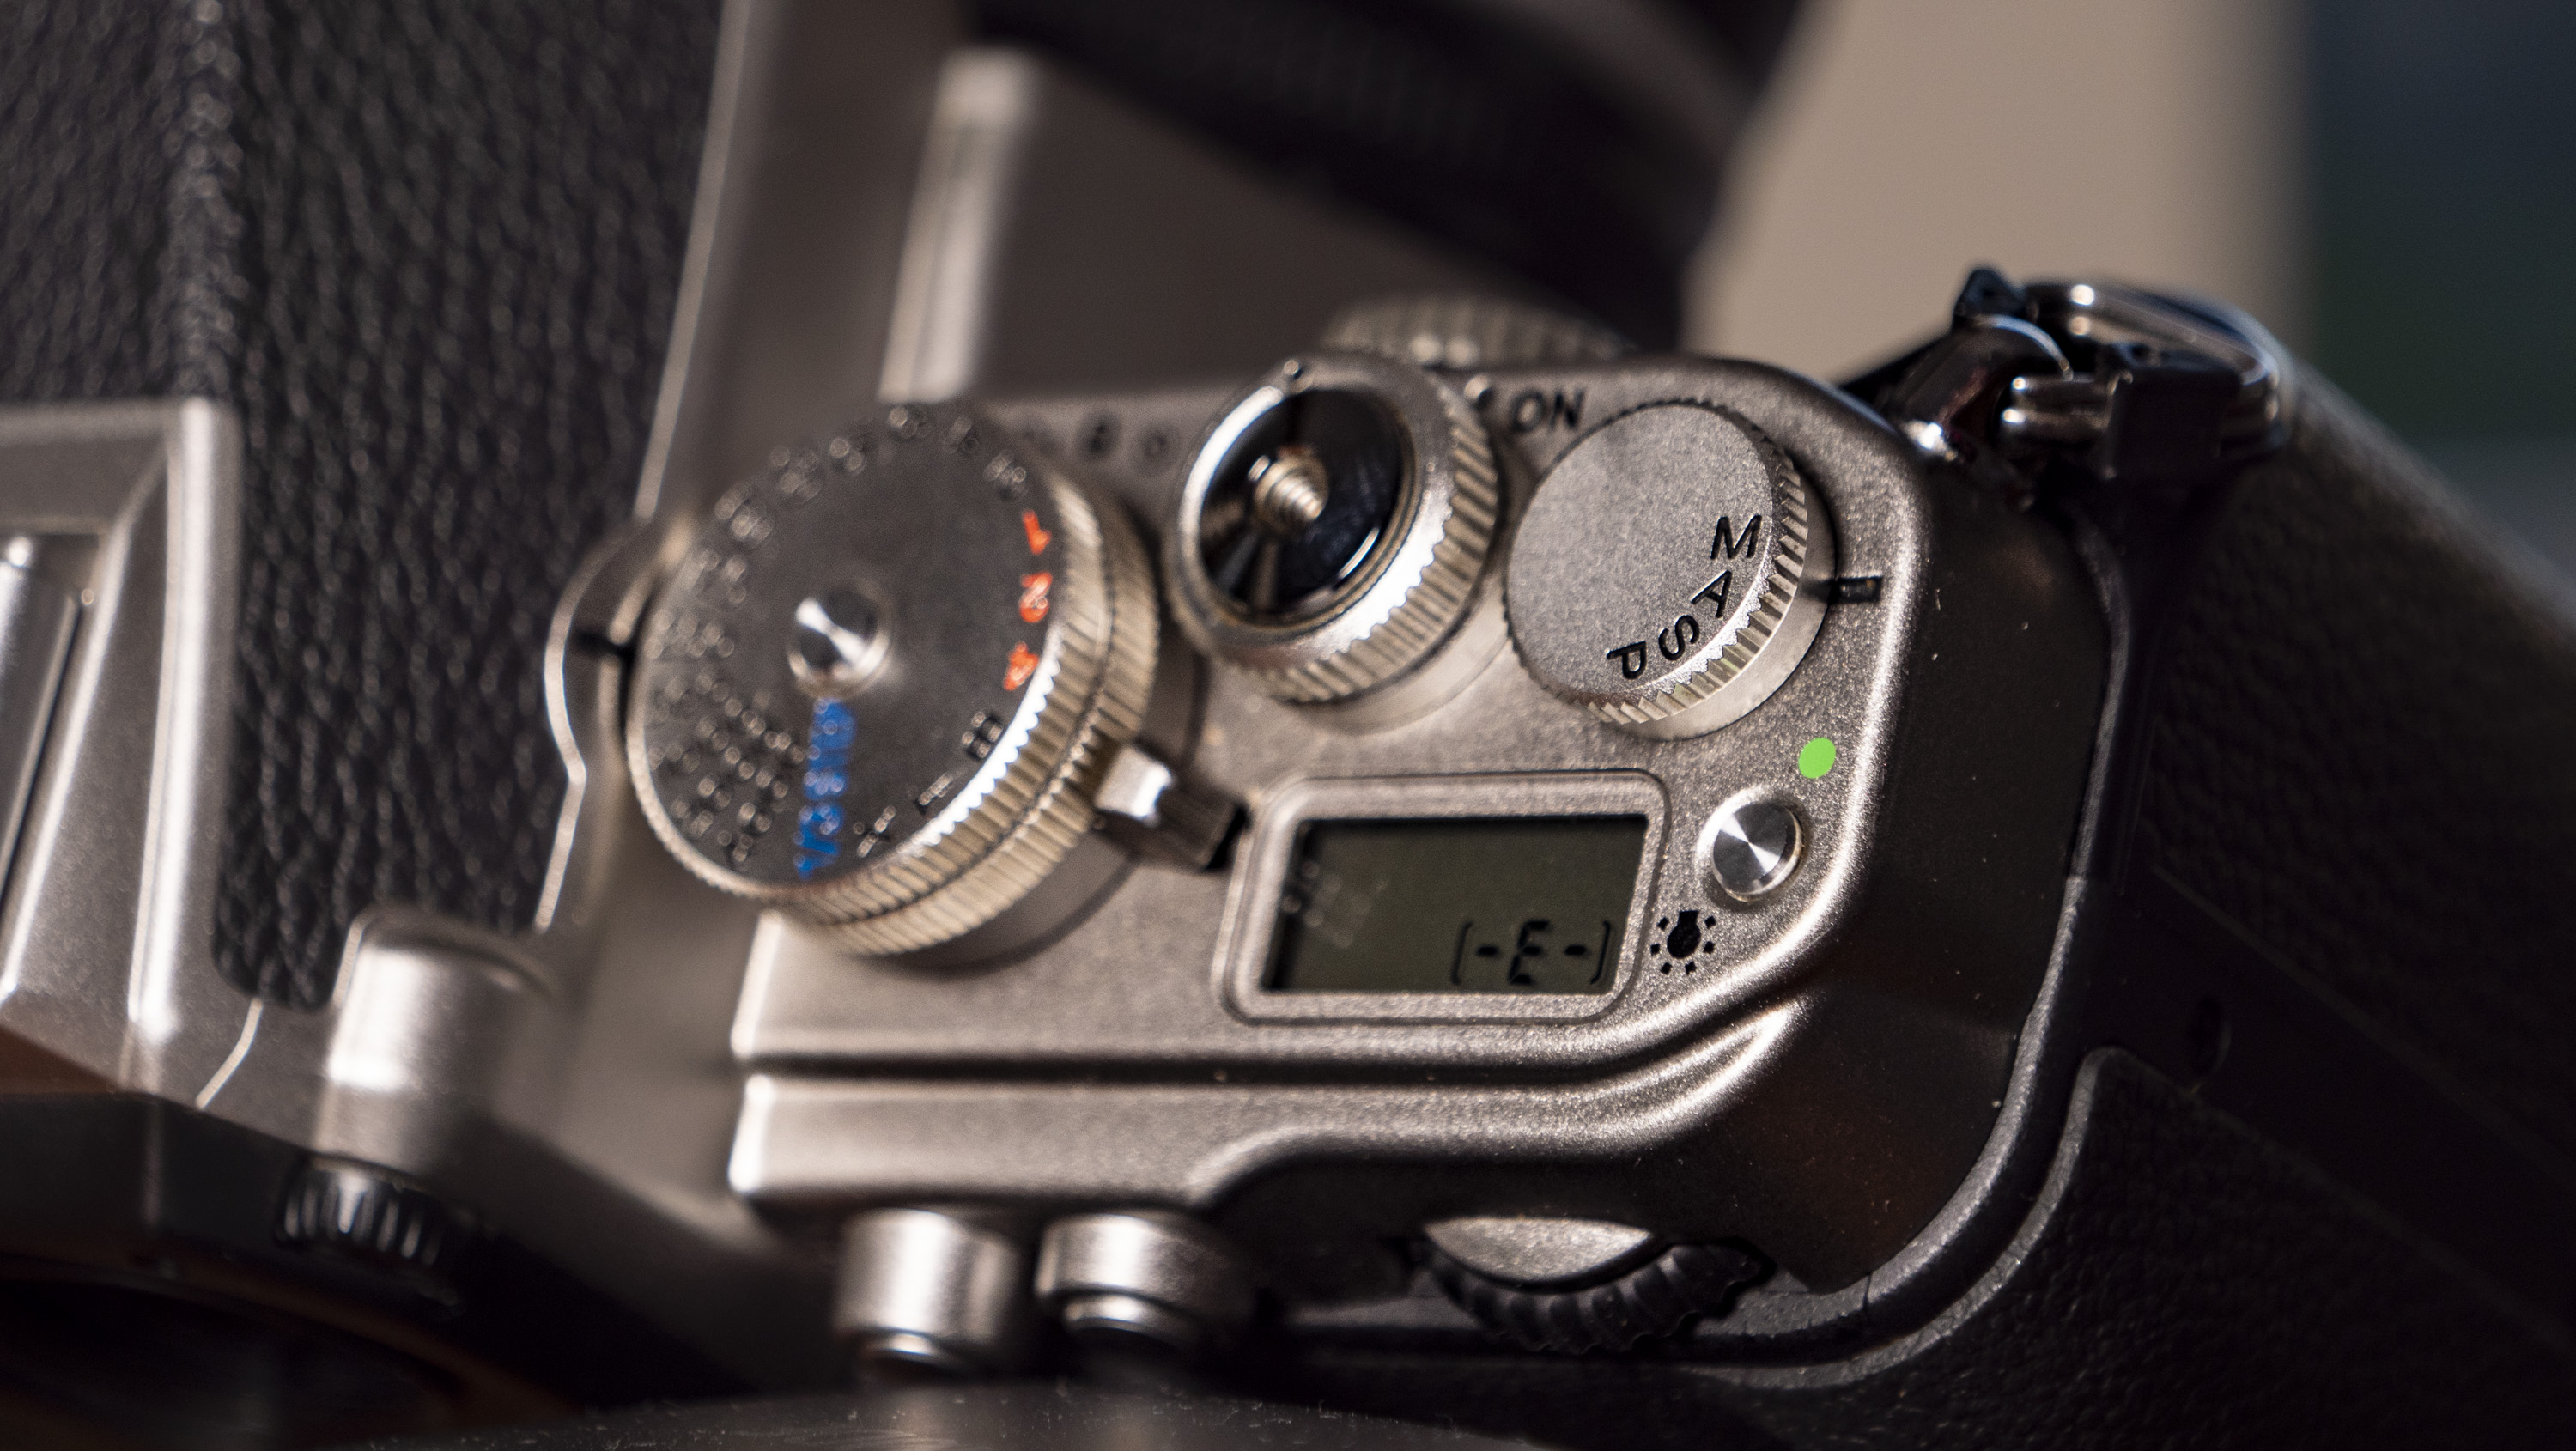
[
  {"x": 1024, "y": 663},
  {"x": 1033, "y": 596},
  {"x": 1039, "y": 538}
]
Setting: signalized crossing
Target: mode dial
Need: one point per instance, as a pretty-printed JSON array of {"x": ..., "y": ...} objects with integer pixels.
[
  {"x": 884, "y": 681},
  {"x": 1333, "y": 526},
  {"x": 1670, "y": 571}
]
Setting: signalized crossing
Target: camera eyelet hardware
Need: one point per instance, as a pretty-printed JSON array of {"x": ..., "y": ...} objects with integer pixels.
[{"x": 1333, "y": 526}]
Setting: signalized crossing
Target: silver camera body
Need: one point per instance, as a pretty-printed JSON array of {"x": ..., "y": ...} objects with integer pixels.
[
  {"x": 1439, "y": 865},
  {"x": 1322, "y": 1046}
]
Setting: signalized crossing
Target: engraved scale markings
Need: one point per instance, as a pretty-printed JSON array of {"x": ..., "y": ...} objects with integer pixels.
[
  {"x": 1661, "y": 577},
  {"x": 919, "y": 643}
]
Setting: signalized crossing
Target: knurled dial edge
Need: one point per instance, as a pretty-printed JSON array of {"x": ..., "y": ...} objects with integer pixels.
[
  {"x": 1779, "y": 590},
  {"x": 1609, "y": 554},
  {"x": 1027, "y": 801},
  {"x": 1421, "y": 580},
  {"x": 1076, "y": 732}
]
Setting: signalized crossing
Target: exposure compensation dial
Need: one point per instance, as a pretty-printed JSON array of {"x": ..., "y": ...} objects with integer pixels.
[{"x": 886, "y": 679}]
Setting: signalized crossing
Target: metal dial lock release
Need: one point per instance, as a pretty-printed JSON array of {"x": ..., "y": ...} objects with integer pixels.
[{"x": 1670, "y": 572}]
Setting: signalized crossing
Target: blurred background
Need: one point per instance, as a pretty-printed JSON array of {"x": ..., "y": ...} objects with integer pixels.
[{"x": 2390, "y": 185}]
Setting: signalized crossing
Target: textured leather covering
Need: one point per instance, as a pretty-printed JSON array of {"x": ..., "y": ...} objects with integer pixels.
[
  {"x": 87, "y": 97},
  {"x": 430, "y": 251},
  {"x": 2364, "y": 757},
  {"x": 2194, "y": 1285},
  {"x": 2181, "y": 1282}
]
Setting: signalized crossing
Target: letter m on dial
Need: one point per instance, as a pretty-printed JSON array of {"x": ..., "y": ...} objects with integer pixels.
[{"x": 1727, "y": 543}]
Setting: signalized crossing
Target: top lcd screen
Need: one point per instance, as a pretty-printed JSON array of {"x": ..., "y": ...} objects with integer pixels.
[{"x": 1511, "y": 905}]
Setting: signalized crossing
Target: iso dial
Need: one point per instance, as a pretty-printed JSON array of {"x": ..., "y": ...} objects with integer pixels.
[{"x": 884, "y": 682}]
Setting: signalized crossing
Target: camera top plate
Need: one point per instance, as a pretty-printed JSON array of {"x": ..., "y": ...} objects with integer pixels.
[
  {"x": 1931, "y": 750},
  {"x": 1147, "y": 978}
]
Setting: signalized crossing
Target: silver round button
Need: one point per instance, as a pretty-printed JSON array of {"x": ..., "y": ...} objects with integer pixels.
[
  {"x": 1751, "y": 846},
  {"x": 1670, "y": 572}
]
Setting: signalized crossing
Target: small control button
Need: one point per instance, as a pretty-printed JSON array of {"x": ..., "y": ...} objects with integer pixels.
[
  {"x": 1671, "y": 571},
  {"x": 1143, "y": 1279},
  {"x": 932, "y": 1291},
  {"x": 1751, "y": 846}
]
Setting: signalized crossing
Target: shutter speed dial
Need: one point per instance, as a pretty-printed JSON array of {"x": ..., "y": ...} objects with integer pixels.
[
  {"x": 1333, "y": 526},
  {"x": 885, "y": 680}
]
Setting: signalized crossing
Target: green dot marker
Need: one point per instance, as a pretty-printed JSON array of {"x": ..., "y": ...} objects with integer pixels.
[{"x": 1815, "y": 758}]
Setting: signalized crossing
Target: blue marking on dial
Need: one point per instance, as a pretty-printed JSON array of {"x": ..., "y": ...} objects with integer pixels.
[{"x": 827, "y": 776}]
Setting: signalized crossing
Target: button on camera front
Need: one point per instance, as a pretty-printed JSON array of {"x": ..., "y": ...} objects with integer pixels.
[{"x": 1670, "y": 571}]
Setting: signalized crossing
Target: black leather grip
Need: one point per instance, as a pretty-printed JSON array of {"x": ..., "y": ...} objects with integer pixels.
[
  {"x": 430, "y": 252},
  {"x": 2180, "y": 1281},
  {"x": 2363, "y": 758}
]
